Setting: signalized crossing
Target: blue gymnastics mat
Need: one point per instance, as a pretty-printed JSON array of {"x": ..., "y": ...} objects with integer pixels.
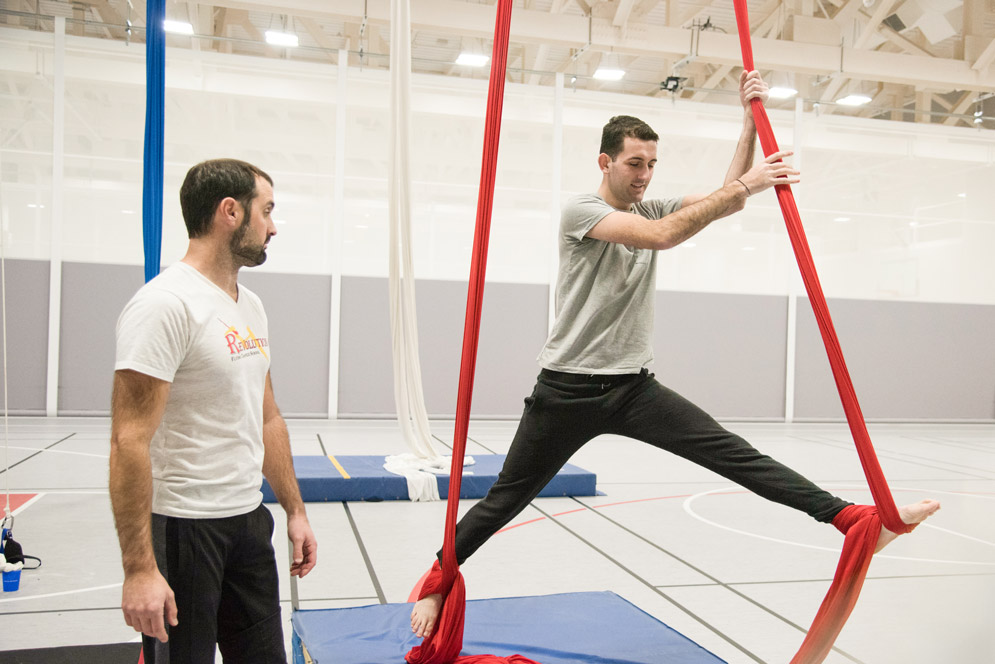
[
  {"x": 571, "y": 628},
  {"x": 354, "y": 478}
]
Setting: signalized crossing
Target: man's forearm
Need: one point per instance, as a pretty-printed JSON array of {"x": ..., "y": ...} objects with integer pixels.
[
  {"x": 131, "y": 501},
  {"x": 278, "y": 466},
  {"x": 686, "y": 222},
  {"x": 742, "y": 160}
]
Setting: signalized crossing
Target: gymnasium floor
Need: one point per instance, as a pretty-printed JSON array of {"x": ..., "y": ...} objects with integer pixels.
[{"x": 740, "y": 576}]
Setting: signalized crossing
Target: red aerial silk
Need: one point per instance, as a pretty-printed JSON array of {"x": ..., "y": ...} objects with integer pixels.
[
  {"x": 861, "y": 525},
  {"x": 443, "y": 645}
]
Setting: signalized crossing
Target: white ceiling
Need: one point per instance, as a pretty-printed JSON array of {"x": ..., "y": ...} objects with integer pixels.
[{"x": 919, "y": 60}]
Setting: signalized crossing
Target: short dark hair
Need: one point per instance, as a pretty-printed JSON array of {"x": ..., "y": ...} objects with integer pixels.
[
  {"x": 621, "y": 127},
  {"x": 210, "y": 182}
]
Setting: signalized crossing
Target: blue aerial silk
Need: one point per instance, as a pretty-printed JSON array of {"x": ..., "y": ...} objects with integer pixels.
[{"x": 155, "y": 93}]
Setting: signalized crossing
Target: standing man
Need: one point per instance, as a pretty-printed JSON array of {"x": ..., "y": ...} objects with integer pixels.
[
  {"x": 594, "y": 378},
  {"x": 194, "y": 428}
]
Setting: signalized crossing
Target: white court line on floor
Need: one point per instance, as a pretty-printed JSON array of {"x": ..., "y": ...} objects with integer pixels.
[
  {"x": 690, "y": 510},
  {"x": 59, "y": 594},
  {"x": 42, "y": 449},
  {"x": 26, "y": 503}
]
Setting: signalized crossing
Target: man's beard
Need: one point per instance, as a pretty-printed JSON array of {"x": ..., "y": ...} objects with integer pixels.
[{"x": 245, "y": 254}]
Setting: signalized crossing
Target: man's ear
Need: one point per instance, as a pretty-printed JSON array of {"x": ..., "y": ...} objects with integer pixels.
[
  {"x": 603, "y": 161},
  {"x": 228, "y": 210}
]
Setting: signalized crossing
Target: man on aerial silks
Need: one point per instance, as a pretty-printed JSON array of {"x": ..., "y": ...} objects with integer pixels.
[{"x": 594, "y": 377}]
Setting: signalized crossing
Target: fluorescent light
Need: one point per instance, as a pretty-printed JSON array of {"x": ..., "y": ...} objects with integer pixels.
[
  {"x": 127, "y": 212},
  {"x": 778, "y": 92},
  {"x": 473, "y": 59},
  {"x": 842, "y": 220},
  {"x": 177, "y": 27},
  {"x": 749, "y": 248},
  {"x": 854, "y": 99},
  {"x": 606, "y": 74},
  {"x": 275, "y": 38},
  {"x": 963, "y": 194}
]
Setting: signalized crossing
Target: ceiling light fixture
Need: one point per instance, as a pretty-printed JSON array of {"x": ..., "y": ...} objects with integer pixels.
[
  {"x": 854, "y": 99},
  {"x": 782, "y": 92},
  {"x": 468, "y": 59},
  {"x": 177, "y": 27},
  {"x": 274, "y": 38},
  {"x": 609, "y": 74}
]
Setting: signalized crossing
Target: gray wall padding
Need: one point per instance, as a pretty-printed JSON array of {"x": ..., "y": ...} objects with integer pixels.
[
  {"x": 93, "y": 296},
  {"x": 298, "y": 307},
  {"x": 513, "y": 329},
  {"x": 907, "y": 360},
  {"x": 726, "y": 353},
  {"x": 27, "y": 335}
]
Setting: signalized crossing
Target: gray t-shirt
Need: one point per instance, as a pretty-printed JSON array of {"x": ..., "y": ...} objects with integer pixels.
[{"x": 604, "y": 294}]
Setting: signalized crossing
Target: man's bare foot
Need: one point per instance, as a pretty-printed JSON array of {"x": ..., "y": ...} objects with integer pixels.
[
  {"x": 914, "y": 513},
  {"x": 425, "y": 613}
]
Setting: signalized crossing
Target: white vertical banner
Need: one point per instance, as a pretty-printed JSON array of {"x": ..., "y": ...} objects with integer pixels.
[
  {"x": 555, "y": 194},
  {"x": 408, "y": 394},
  {"x": 335, "y": 236},
  {"x": 55, "y": 259},
  {"x": 792, "y": 321}
]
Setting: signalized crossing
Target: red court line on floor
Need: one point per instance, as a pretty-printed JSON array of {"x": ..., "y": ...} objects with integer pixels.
[
  {"x": 518, "y": 525},
  {"x": 17, "y": 500},
  {"x": 584, "y": 509}
]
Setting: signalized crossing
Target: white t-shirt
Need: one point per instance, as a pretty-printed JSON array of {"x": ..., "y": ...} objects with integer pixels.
[{"x": 207, "y": 454}]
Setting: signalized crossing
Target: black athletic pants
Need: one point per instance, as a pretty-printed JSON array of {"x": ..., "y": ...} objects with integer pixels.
[
  {"x": 567, "y": 410},
  {"x": 223, "y": 574}
]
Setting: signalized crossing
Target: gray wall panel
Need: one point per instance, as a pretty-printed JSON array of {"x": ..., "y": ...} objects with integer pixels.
[
  {"x": 907, "y": 360},
  {"x": 27, "y": 335},
  {"x": 513, "y": 329},
  {"x": 298, "y": 308},
  {"x": 726, "y": 353},
  {"x": 93, "y": 296}
]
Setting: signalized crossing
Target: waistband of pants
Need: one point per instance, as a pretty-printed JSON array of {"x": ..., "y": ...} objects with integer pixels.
[{"x": 582, "y": 379}]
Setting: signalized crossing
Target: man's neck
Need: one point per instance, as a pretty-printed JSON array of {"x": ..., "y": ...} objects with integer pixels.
[
  {"x": 605, "y": 192},
  {"x": 216, "y": 265}
]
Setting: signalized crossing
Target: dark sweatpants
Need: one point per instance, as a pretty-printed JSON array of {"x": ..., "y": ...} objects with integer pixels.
[
  {"x": 223, "y": 574},
  {"x": 567, "y": 410}
]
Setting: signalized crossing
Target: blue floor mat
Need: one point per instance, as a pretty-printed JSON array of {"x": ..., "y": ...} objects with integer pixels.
[
  {"x": 570, "y": 628},
  {"x": 364, "y": 478}
]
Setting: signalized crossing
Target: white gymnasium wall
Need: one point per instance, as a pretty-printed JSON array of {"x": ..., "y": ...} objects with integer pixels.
[
  {"x": 916, "y": 199},
  {"x": 894, "y": 212}
]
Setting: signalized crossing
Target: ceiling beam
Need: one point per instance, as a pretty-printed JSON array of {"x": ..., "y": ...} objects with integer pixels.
[
  {"x": 871, "y": 28},
  {"x": 622, "y": 13},
  {"x": 764, "y": 28},
  {"x": 960, "y": 108},
  {"x": 571, "y": 31},
  {"x": 986, "y": 57}
]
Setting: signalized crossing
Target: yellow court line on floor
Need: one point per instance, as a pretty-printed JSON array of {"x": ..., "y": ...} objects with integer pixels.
[{"x": 335, "y": 462}]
